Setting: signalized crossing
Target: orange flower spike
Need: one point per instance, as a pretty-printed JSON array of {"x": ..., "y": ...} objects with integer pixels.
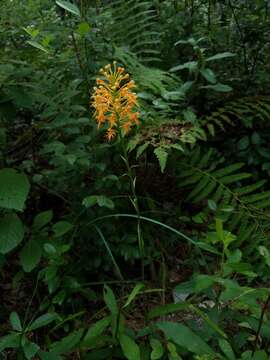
[{"x": 113, "y": 100}]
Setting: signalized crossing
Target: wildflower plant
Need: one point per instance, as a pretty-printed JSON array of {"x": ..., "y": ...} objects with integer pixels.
[
  {"x": 114, "y": 101},
  {"x": 116, "y": 106}
]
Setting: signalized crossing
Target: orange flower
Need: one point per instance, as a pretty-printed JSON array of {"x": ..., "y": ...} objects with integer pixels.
[{"x": 114, "y": 101}]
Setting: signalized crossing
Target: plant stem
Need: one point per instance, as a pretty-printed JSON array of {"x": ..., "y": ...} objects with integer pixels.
[
  {"x": 264, "y": 308},
  {"x": 134, "y": 199}
]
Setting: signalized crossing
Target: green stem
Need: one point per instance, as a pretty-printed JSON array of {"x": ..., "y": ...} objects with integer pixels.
[{"x": 134, "y": 199}]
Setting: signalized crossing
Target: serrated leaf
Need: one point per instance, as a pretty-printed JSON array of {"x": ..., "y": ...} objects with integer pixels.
[
  {"x": 14, "y": 189},
  {"x": 162, "y": 157},
  {"x": 11, "y": 233},
  {"x": 30, "y": 255},
  {"x": 72, "y": 8},
  {"x": 141, "y": 149},
  {"x": 130, "y": 349}
]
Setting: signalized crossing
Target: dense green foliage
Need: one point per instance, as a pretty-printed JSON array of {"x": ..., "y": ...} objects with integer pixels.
[{"x": 154, "y": 246}]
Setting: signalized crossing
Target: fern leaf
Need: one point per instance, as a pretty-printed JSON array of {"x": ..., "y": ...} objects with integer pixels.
[{"x": 162, "y": 157}]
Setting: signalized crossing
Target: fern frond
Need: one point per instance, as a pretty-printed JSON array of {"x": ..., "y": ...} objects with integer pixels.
[
  {"x": 133, "y": 26},
  {"x": 226, "y": 186},
  {"x": 241, "y": 110}
]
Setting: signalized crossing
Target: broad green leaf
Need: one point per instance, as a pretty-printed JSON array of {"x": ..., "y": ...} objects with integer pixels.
[
  {"x": 61, "y": 228},
  {"x": 14, "y": 189},
  {"x": 68, "y": 343},
  {"x": 209, "y": 75},
  {"x": 157, "y": 349},
  {"x": 136, "y": 290},
  {"x": 11, "y": 232},
  {"x": 96, "y": 330},
  {"x": 9, "y": 341},
  {"x": 30, "y": 255},
  {"x": 42, "y": 321},
  {"x": 220, "y": 56},
  {"x": 183, "y": 336},
  {"x": 101, "y": 200},
  {"x": 15, "y": 321},
  {"x": 212, "y": 205},
  {"x": 110, "y": 300},
  {"x": 30, "y": 349},
  {"x": 42, "y": 219},
  {"x": 130, "y": 349},
  {"x": 89, "y": 201},
  {"x": 72, "y": 8},
  {"x": 50, "y": 249},
  {"x": 226, "y": 348},
  {"x": 104, "y": 201}
]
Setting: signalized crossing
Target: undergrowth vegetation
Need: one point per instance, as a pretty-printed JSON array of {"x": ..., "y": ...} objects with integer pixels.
[{"x": 134, "y": 179}]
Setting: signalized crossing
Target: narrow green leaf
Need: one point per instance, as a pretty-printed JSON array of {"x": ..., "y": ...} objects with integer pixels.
[
  {"x": 96, "y": 330},
  {"x": 218, "y": 87},
  {"x": 37, "y": 45},
  {"x": 220, "y": 56},
  {"x": 68, "y": 343},
  {"x": 136, "y": 290},
  {"x": 42, "y": 321},
  {"x": 110, "y": 300},
  {"x": 72, "y": 8},
  {"x": 183, "y": 336}
]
